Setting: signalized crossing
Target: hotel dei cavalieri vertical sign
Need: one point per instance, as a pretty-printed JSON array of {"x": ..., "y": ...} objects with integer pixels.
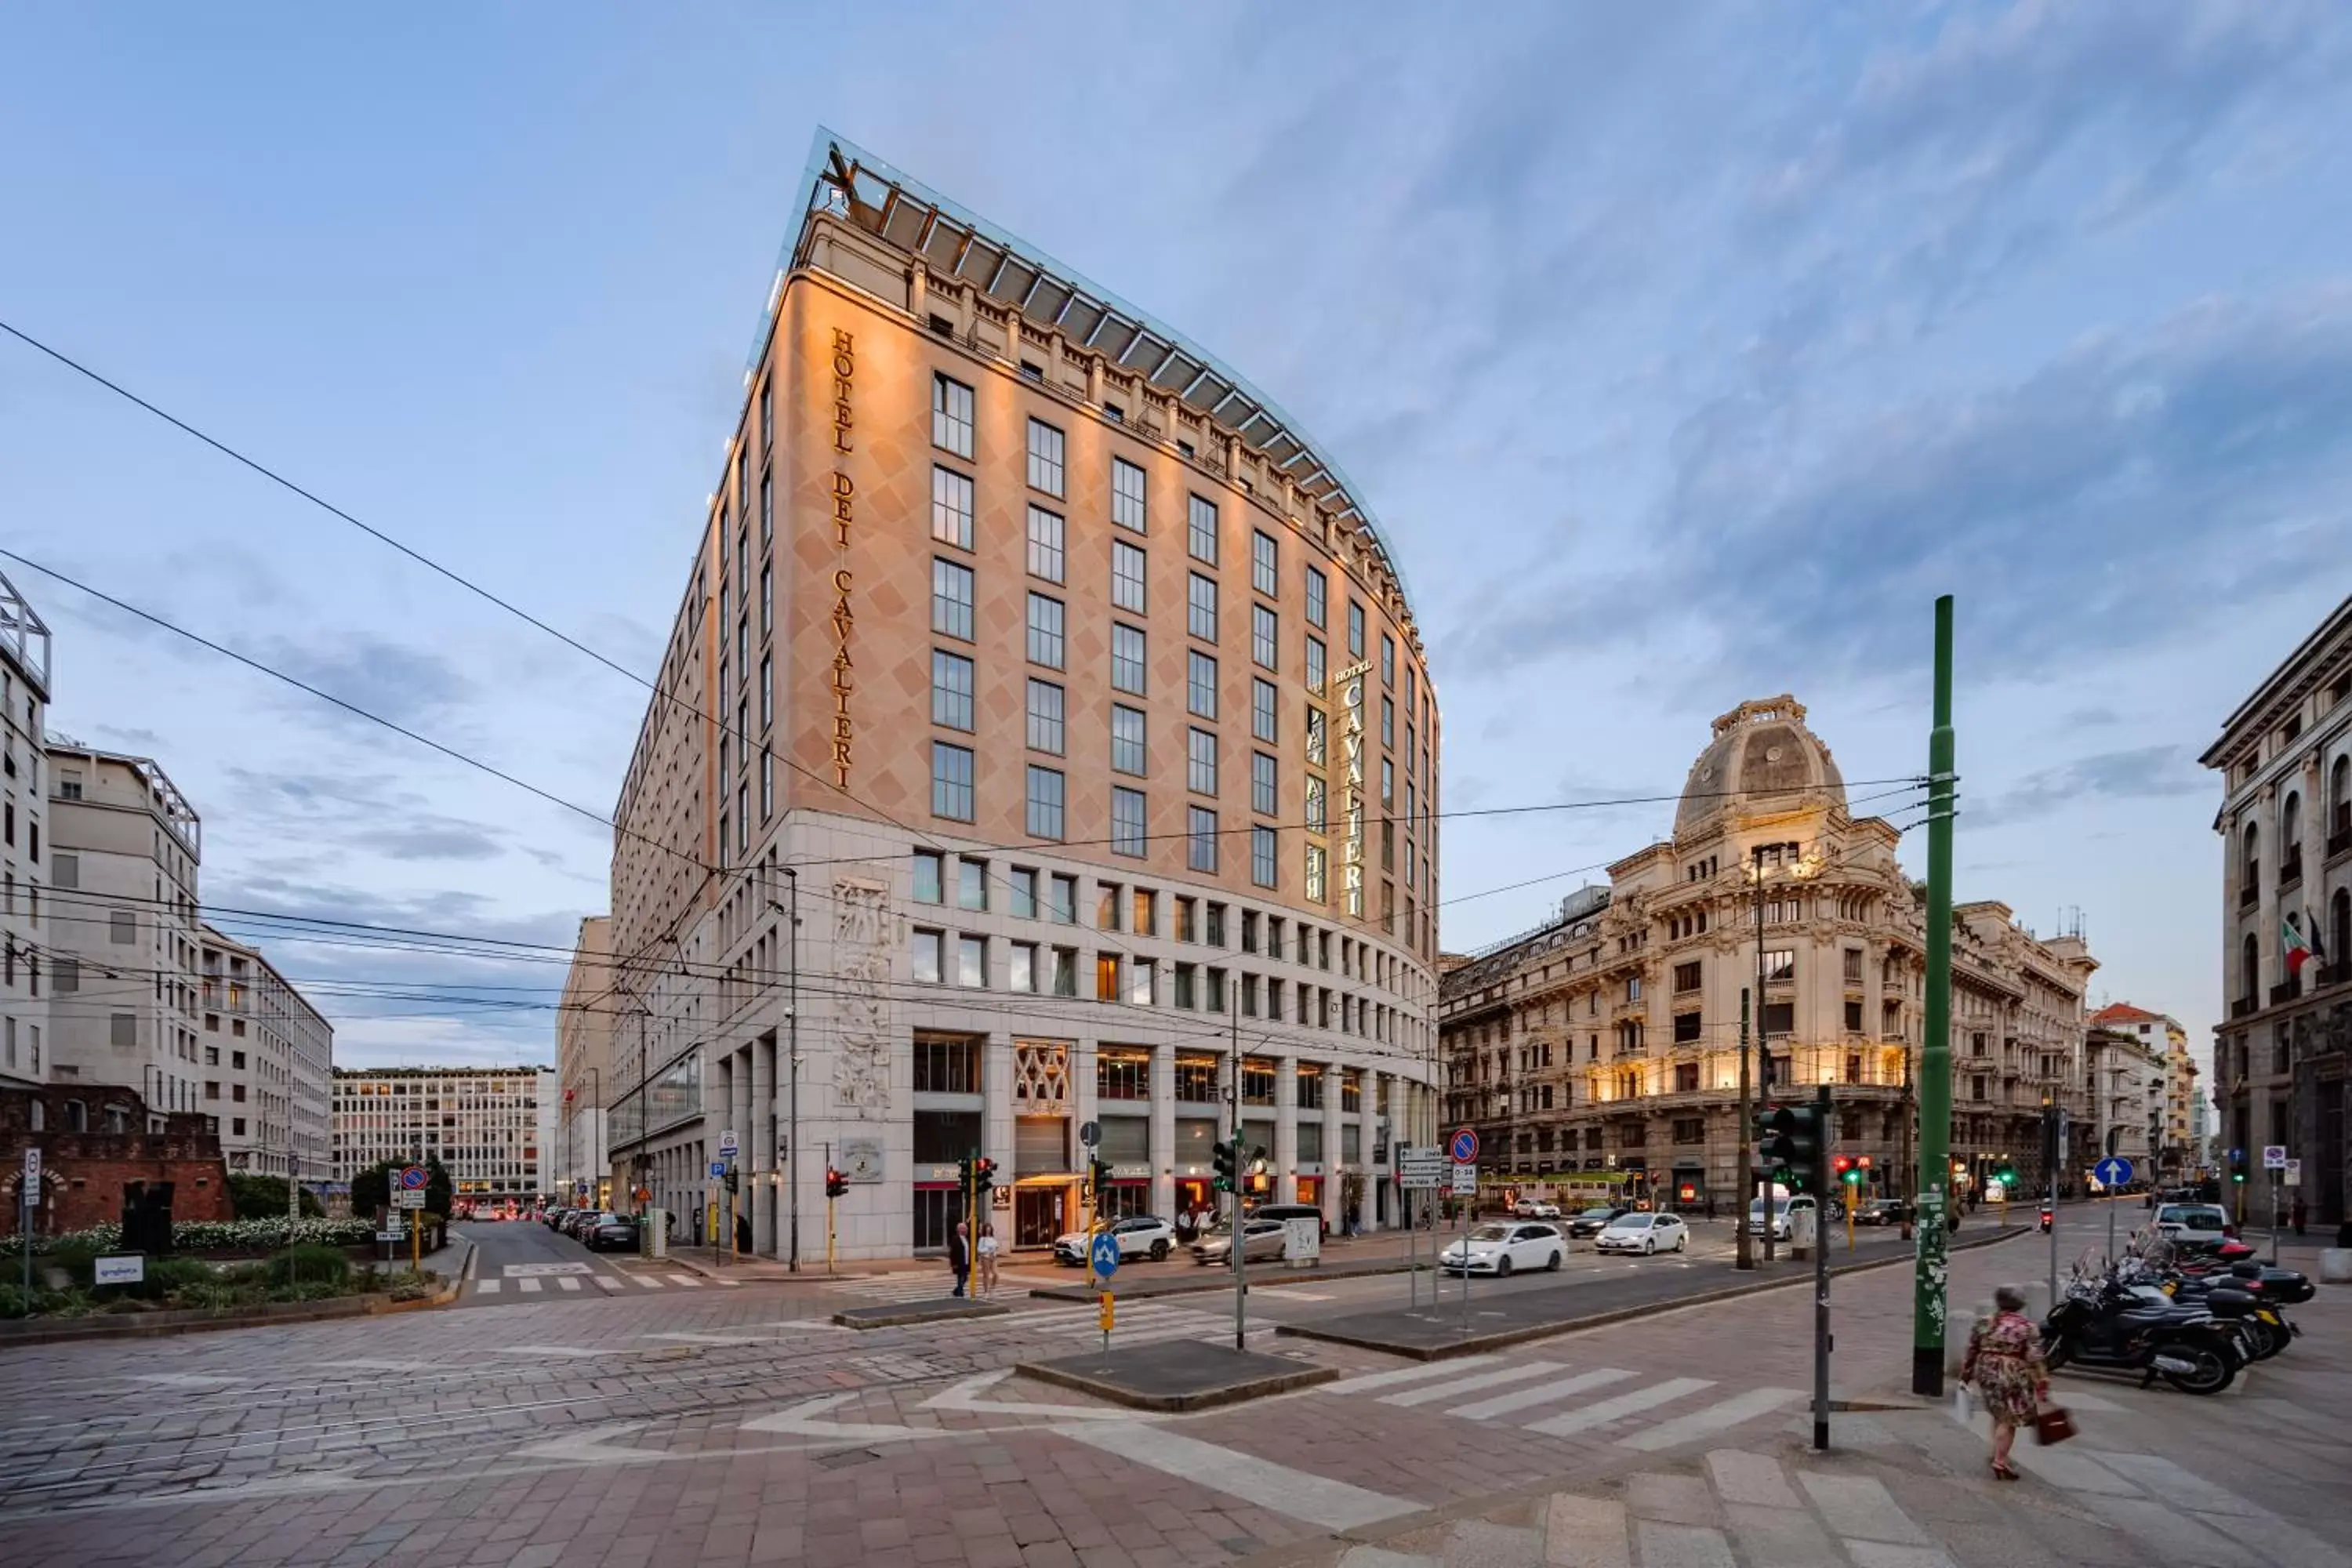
[
  {"x": 845, "y": 492},
  {"x": 1351, "y": 783}
]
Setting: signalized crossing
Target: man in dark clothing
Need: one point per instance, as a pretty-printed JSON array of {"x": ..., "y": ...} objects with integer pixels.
[{"x": 960, "y": 1256}]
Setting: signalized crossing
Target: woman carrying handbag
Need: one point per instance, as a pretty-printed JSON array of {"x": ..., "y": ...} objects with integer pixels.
[{"x": 2004, "y": 1361}]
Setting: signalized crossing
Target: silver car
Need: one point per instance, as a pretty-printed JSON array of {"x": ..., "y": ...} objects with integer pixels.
[{"x": 1262, "y": 1239}]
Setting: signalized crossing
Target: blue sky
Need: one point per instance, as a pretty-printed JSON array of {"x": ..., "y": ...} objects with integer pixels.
[{"x": 1684, "y": 359}]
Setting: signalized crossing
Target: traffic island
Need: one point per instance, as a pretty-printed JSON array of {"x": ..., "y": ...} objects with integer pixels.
[
  {"x": 898, "y": 1314},
  {"x": 1185, "y": 1278},
  {"x": 1178, "y": 1375}
]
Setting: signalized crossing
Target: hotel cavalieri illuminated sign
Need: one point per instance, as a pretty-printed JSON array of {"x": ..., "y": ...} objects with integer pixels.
[
  {"x": 845, "y": 491},
  {"x": 1351, "y": 681}
]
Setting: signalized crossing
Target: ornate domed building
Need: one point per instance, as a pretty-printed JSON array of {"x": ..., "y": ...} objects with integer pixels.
[{"x": 1600, "y": 1052}]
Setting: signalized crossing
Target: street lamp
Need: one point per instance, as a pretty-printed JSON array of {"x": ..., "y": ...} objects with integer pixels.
[{"x": 792, "y": 1066}]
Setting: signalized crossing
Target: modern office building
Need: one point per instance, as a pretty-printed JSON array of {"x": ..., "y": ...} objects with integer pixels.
[
  {"x": 2283, "y": 1059},
  {"x": 1069, "y": 693},
  {"x": 1602, "y": 1048},
  {"x": 267, "y": 1061},
  {"x": 123, "y": 935},
  {"x": 583, "y": 1063},
  {"x": 489, "y": 1125},
  {"x": 24, "y": 719}
]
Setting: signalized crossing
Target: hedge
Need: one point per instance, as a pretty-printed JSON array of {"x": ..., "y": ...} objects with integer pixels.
[{"x": 208, "y": 1236}]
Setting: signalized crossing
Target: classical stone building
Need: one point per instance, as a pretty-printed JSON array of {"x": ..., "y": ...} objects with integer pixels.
[
  {"x": 2283, "y": 1060},
  {"x": 1068, "y": 691},
  {"x": 1603, "y": 1046},
  {"x": 2172, "y": 1145}
]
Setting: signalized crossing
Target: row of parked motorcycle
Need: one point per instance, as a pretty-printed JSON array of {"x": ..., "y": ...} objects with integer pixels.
[{"x": 2193, "y": 1317}]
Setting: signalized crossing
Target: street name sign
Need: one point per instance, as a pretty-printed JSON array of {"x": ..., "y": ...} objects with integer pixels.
[{"x": 1421, "y": 1168}]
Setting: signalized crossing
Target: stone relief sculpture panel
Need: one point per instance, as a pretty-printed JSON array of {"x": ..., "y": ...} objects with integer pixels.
[{"x": 861, "y": 948}]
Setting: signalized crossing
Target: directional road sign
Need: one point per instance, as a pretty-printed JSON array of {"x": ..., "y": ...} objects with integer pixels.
[
  {"x": 2112, "y": 1172},
  {"x": 411, "y": 1178},
  {"x": 1421, "y": 1167},
  {"x": 1104, "y": 1255},
  {"x": 2273, "y": 1156},
  {"x": 1464, "y": 1146}
]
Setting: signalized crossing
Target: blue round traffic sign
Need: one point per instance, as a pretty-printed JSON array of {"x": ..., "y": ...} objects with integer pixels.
[
  {"x": 1104, "y": 1254},
  {"x": 411, "y": 1178},
  {"x": 1464, "y": 1146},
  {"x": 2113, "y": 1171}
]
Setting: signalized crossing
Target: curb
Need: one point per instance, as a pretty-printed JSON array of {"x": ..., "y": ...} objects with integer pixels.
[
  {"x": 1505, "y": 1337},
  {"x": 1222, "y": 1279},
  {"x": 195, "y": 1320},
  {"x": 1205, "y": 1399}
]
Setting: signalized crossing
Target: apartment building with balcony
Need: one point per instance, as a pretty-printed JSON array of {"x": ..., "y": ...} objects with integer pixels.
[
  {"x": 123, "y": 939},
  {"x": 1604, "y": 1046},
  {"x": 268, "y": 1057},
  {"x": 24, "y": 809},
  {"x": 2283, "y": 1059},
  {"x": 1071, "y": 694}
]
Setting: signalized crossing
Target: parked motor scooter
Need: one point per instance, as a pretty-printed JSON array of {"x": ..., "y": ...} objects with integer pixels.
[{"x": 2109, "y": 1326}]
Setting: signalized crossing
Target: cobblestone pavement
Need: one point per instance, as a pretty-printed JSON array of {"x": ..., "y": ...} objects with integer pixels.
[{"x": 737, "y": 1426}]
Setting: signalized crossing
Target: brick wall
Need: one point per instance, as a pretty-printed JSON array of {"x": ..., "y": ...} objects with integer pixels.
[{"x": 84, "y": 1173}]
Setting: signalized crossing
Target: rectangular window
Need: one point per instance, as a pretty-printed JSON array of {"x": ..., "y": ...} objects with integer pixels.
[
  {"x": 1216, "y": 927},
  {"x": 1128, "y": 749},
  {"x": 1264, "y": 638},
  {"x": 1388, "y": 661},
  {"x": 1201, "y": 533},
  {"x": 1388, "y": 722},
  {"x": 1187, "y": 996},
  {"x": 1021, "y": 968},
  {"x": 951, "y": 599},
  {"x": 1264, "y": 722},
  {"x": 972, "y": 885},
  {"x": 1201, "y": 685},
  {"x": 1686, "y": 977},
  {"x": 1143, "y": 984},
  {"x": 767, "y": 783},
  {"x": 1263, "y": 789},
  {"x": 1317, "y": 598},
  {"x": 1201, "y": 607},
  {"x": 1126, "y": 834},
  {"x": 1045, "y": 631},
  {"x": 1106, "y": 977},
  {"x": 1147, "y": 913},
  {"x": 1316, "y": 736},
  {"x": 1201, "y": 761},
  {"x": 1023, "y": 881},
  {"x": 767, "y": 600},
  {"x": 1355, "y": 629},
  {"x": 1044, "y": 457},
  {"x": 1264, "y": 577},
  {"x": 1315, "y": 804},
  {"x": 1126, "y": 494},
  {"x": 951, "y": 781},
  {"x": 1315, "y": 657},
  {"x": 1127, "y": 577},
  {"x": 1066, "y": 971},
  {"x": 1780, "y": 965},
  {"x": 951, "y": 508},
  {"x": 951, "y": 415},
  {"x": 1109, "y": 911},
  {"x": 930, "y": 866},
  {"x": 1045, "y": 717},
  {"x": 1045, "y": 544},
  {"x": 1317, "y": 873},
  {"x": 1188, "y": 919},
  {"x": 1261, "y": 856},
  {"x": 1126, "y": 658},
  {"x": 1387, "y": 782},
  {"x": 971, "y": 962},
  {"x": 950, "y": 690},
  {"x": 1200, "y": 853},
  {"x": 928, "y": 947},
  {"x": 1045, "y": 803},
  {"x": 1063, "y": 904}
]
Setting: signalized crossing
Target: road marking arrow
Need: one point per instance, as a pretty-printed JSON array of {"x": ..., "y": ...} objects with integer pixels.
[
  {"x": 965, "y": 1396},
  {"x": 801, "y": 1420}
]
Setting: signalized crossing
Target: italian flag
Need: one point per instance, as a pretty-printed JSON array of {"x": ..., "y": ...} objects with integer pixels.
[{"x": 2297, "y": 951}]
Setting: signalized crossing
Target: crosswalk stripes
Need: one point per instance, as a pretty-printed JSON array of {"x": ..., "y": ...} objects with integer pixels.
[
  {"x": 1552, "y": 1398},
  {"x": 611, "y": 1284}
]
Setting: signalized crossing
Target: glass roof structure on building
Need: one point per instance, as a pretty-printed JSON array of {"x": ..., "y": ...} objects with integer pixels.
[{"x": 844, "y": 182}]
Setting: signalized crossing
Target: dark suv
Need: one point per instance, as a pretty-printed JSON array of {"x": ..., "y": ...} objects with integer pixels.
[{"x": 1587, "y": 1224}]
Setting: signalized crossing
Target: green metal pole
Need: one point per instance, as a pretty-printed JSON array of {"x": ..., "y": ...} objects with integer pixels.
[{"x": 1934, "y": 1179}]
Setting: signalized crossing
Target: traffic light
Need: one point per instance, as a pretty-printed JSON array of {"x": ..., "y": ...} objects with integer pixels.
[
  {"x": 1222, "y": 1156},
  {"x": 1260, "y": 1181},
  {"x": 1098, "y": 1178},
  {"x": 1109, "y": 1315},
  {"x": 1843, "y": 1168},
  {"x": 835, "y": 1184},
  {"x": 984, "y": 1175},
  {"x": 1795, "y": 1138},
  {"x": 731, "y": 1180},
  {"x": 963, "y": 1172}
]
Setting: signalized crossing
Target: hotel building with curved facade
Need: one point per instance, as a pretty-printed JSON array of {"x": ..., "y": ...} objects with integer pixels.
[{"x": 1073, "y": 698}]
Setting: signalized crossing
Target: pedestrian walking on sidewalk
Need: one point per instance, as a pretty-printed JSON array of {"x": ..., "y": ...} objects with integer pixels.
[
  {"x": 987, "y": 1258},
  {"x": 2301, "y": 1214},
  {"x": 2004, "y": 1361},
  {"x": 960, "y": 1256}
]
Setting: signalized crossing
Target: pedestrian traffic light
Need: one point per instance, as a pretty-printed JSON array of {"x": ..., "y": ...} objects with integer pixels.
[
  {"x": 1795, "y": 1138},
  {"x": 1222, "y": 1155},
  {"x": 1109, "y": 1317},
  {"x": 835, "y": 1184},
  {"x": 1260, "y": 1179}
]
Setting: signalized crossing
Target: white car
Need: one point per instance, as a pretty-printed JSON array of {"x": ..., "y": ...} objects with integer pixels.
[
  {"x": 1644, "y": 1234},
  {"x": 1141, "y": 1235},
  {"x": 1783, "y": 1213},
  {"x": 1535, "y": 1208},
  {"x": 1501, "y": 1249}
]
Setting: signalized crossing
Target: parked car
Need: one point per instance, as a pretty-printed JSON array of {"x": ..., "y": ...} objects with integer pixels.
[
  {"x": 1261, "y": 1239},
  {"x": 577, "y": 1225},
  {"x": 1502, "y": 1249},
  {"x": 1534, "y": 1208},
  {"x": 1880, "y": 1211},
  {"x": 553, "y": 1218},
  {"x": 1593, "y": 1221},
  {"x": 2194, "y": 1224},
  {"x": 1140, "y": 1236},
  {"x": 1294, "y": 1211},
  {"x": 1784, "y": 1212},
  {"x": 1644, "y": 1234},
  {"x": 612, "y": 1233}
]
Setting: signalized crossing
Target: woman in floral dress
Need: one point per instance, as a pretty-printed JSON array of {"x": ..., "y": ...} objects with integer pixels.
[{"x": 2004, "y": 1361}]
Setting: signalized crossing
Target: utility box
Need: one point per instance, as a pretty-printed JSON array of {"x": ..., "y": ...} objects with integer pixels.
[{"x": 653, "y": 1235}]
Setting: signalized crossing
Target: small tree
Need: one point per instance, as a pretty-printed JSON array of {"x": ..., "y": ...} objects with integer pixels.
[
  {"x": 371, "y": 1188},
  {"x": 264, "y": 1197}
]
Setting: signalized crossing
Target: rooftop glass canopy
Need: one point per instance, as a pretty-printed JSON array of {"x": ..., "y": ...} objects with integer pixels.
[{"x": 851, "y": 185}]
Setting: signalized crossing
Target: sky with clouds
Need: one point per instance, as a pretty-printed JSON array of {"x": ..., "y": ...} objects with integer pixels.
[{"x": 1686, "y": 357}]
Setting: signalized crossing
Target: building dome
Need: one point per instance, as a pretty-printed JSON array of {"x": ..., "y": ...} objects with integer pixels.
[{"x": 1762, "y": 759}]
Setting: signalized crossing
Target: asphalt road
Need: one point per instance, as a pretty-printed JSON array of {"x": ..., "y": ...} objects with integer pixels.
[{"x": 521, "y": 1261}]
